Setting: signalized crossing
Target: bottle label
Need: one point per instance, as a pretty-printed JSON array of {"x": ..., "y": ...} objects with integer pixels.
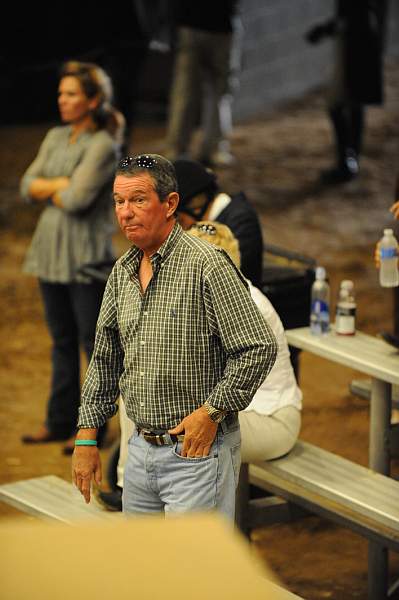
[
  {"x": 387, "y": 253},
  {"x": 319, "y": 317},
  {"x": 345, "y": 320},
  {"x": 346, "y": 311}
]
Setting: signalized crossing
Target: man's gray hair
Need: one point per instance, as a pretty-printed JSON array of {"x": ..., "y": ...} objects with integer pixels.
[{"x": 159, "y": 168}]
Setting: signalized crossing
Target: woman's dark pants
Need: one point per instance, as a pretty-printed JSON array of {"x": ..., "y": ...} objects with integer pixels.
[{"x": 71, "y": 312}]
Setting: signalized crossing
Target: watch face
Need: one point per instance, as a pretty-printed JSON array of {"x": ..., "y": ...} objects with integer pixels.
[{"x": 217, "y": 415}]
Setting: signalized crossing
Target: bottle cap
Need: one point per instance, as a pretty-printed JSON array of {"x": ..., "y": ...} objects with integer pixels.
[
  {"x": 347, "y": 284},
  {"x": 388, "y": 231},
  {"x": 320, "y": 273}
]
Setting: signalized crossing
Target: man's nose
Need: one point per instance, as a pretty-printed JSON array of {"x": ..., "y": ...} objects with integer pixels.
[{"x": 126, "y": 209}]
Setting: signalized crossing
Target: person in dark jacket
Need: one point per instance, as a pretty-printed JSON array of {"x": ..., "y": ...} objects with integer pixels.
[
  {"x": 358, "y": 29},
  {"x": 201, "y": 198},
  {"x": 203, "y": 34}
]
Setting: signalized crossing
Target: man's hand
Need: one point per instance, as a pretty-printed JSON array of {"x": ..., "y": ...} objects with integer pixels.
[
  {"x": 199, "y": 433},
  {"x": 86, "y": 463}
]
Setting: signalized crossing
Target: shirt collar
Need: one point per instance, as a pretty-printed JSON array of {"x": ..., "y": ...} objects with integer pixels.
[
  {"x": 218, "y": 206},
  {"x": 131, "y": 260}
]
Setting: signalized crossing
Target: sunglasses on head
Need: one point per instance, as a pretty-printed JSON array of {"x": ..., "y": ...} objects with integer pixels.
[{"x": 143, "y": 161}]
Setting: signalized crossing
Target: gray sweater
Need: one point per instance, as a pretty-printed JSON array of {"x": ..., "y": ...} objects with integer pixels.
[{"x": 80, "y": 232}]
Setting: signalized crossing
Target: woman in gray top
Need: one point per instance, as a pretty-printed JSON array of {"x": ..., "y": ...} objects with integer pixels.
[{"x": 72, "y": 177}]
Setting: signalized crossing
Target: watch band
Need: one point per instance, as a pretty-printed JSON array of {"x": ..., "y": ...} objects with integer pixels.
[{"x": 216, "y": 414}]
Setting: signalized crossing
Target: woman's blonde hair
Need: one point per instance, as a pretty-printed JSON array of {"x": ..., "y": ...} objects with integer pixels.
[
  {"x": 95, "y": 82},
  {"x": 219, "y": 235}
]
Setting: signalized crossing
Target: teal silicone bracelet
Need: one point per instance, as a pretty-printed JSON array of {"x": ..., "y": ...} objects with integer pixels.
[{"x": 85, "y": 442}]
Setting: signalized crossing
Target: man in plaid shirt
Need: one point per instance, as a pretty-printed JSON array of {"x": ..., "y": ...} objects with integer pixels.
[{"x": 181, "y": 340}]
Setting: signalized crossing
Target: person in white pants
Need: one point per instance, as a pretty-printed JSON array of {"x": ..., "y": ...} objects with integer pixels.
[{"x": 270, "y": 425}]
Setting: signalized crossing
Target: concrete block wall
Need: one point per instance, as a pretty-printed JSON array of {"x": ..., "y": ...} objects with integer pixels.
[{"x": 277, "y": 64}]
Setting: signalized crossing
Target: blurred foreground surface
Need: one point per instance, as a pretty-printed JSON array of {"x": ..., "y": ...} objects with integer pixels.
[{"x": 279, "y": 158}]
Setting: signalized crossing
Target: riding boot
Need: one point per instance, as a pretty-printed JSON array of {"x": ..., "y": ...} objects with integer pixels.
[
  {"x": 356, "y": 127},
  {"x": 347, "y": 161}
]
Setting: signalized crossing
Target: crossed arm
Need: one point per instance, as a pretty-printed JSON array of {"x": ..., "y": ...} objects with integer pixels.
[{"x": 42, "y": 188}]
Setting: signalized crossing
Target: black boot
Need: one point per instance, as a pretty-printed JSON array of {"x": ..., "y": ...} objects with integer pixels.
[
  {"x": 356, "y": 126},
  {"x": 347, "y": 158}
]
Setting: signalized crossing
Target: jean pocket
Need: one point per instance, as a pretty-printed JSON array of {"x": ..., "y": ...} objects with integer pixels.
[{"x": 177, "y": 448}]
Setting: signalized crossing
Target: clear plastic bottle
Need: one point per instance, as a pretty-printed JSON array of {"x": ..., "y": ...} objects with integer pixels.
[
  {"x": 345, "y": 317},
  {"x": 389, "y": 276},
  {"x": 320, "y": 304}
]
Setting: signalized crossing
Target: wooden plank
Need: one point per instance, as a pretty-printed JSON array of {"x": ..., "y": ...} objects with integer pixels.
[
  {"x": 332, "y": 486},
  {"x": 51, "y": 497},
  {"x": 326, "y": 508},
  {"x": 337, "y": 478}
]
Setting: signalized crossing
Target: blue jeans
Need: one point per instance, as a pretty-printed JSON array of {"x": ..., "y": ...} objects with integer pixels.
[
  {"x": 158, "y": 479},
  {"x": 71, "y": 314}
]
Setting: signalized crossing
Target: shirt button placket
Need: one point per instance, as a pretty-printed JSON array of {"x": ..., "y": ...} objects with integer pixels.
[{"x": 142, "y": 344}]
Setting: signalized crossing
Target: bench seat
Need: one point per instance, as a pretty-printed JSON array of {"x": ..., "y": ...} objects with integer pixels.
[
  {"x": 331, "y": 486},
  {"x": 51, "y": 497}
]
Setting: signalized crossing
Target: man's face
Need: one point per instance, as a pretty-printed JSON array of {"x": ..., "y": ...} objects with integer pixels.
[{"x": 143, "y": 218}]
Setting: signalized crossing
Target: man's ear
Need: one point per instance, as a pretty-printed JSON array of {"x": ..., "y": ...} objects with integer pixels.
[{"x": 172, "y": 203}]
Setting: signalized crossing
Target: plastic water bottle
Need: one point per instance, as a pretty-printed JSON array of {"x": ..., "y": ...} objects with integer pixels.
[
  {"x": 389, "y": 276},
  {"x": 320, "y": 304},
  {"x": 345, "y": 317}
]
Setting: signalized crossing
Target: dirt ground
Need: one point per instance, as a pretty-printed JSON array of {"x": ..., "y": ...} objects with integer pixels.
[{"x": 279, "y": 158}]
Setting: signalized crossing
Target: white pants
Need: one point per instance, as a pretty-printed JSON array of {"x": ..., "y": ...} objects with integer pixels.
[{"x": 263, "y": 437}]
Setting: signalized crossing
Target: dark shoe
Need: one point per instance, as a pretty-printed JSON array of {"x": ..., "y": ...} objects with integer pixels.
[
  {"x": 347, "y": 170},
  {"x": 111, "y": 500},
  {"x": 336, "y": 176},
  {"x": 43, "y": 436}
]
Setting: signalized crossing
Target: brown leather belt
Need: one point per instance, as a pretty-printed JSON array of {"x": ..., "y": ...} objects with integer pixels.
[{"x": 159, "y": 439}]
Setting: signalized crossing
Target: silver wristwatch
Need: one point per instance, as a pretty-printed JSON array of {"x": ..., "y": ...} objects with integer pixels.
[{"x": 215, "y": 414}]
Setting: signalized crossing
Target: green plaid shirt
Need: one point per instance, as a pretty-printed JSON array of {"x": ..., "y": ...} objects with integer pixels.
[{"x": 194, "y": 335}]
